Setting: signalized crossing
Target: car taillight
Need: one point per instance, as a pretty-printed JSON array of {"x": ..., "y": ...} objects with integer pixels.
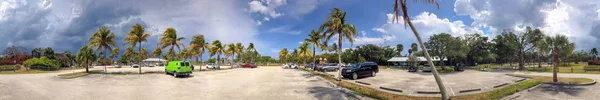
[{"x": 178, "y": 68}]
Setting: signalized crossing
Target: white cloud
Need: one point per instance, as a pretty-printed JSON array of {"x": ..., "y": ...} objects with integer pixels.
[
  {"x": 574, "y": 19},
  {"x": 266, "y": 19},
  {"x": 258, "y": 23},
  {"x": 284, "y": 29},
  {"x": 266, "y": 7}
]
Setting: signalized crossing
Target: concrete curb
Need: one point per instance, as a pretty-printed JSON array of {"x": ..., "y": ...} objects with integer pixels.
[
  {"x": 390, "y": 89},
  {"x": 365, "y": 83},
  {"x": 469, "y": 90},
  {"x": 520, "y": 80},
  {"x": 533, "y": 87},
  {"x": 580, "y": 84},
  {"x": 428, "y": 92},
  {"x": 517, "y": 76},
  {"x": 504, "y": 84},
  {"x": 67, "y": 77}
]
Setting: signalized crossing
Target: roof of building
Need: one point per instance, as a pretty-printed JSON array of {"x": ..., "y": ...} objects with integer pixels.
[
  {"x": 154, "y": 59},
  {"x": 404, "y": 59}
]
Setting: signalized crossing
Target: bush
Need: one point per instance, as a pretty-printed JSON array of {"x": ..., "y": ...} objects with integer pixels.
[
  {"x": 19, "y": 59},
  {"x": 49, "y": 64},
  {"x": 593, "y": 62}
]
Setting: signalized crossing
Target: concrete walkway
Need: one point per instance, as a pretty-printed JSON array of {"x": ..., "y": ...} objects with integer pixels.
[{"x": 553, "y": 92}]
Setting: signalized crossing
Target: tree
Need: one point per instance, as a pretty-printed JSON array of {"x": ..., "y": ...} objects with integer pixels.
[
  {"x": 252, "y": 49},
  {"x": 444, "y": 46},
  {"x": 594, "y": 53},
  {"x": 526, "y": 42},
  {"x": 399, "y": 48},
  {"x": 560, "y": 47},
  {"x": 283, "y": 54},
  {"x": 103, "y": 39},
  {"x": 336, "y": 26},
  {"x": 400, "y": 6},
  {"x": 144, "y": 53},
  {"x": 198, "y": 44},
  {"x": 136, "y": 36},
  {"x": 216, "y": 49},
  {"x": 505, "y": 46},
  {"x": 239, "y": 49},
  {"x": 314, "y": 38},
  {"x": 230, "y": 51},
  {"x": 184, "y": 54},
  {"x": 49, "y": 53},
  {"x": 114, "y": 53},
  {"x": 479, "y": 48},
  {"x": 169, "y": 38},
  {"x": 304, "y": 52},
  {"x": 413, "y": 48},
  {"x": 157, "y": 52},
  {"x": 128, "y": 54},
  {"x": 37, "y": 52},
  {"x": 85, "y": 57}
]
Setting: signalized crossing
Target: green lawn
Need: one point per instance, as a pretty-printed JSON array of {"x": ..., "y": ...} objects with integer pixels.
[{"x": 21, "y": 70}]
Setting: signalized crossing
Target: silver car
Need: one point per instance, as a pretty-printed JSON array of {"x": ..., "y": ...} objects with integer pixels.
[
  {"x": 427, "y": 68},
  {"x": 331, "y": 67},
  {"x": 212, "y": 66}
]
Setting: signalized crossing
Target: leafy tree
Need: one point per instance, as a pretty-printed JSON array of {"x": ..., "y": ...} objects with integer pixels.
[
  {"x": 314, "y": 38},
  {"x": 387, "y": 53},
  {"x": 594, "y": 53},
  {"x": 49, "y": 53},
  {"x": 505, "y": 46},
  {"x": 399, "y": 48},
  {"x": 294, "y": 55},
  {"x": 444, "y": 45},
  {"x": 480, "y": 48},
  {"x": 157, "y": 52},
  {"x": 413, "y": 48},
  {"x": 129, "y": 53},
  {"x": 103, "y": 39},
  {"x": 85, "y": 57},
  {"x": 336, "y": 26},
  {"x": 197, "y": 45},
  {"x": 527, "y": 42},
  {"x": 169, "y": 38},
  {"x": 371, "y": 52},
  {"x": 400, "y": 6},
  {"x": 37, "y": 52},
  {"x": 114, "y": 53}
]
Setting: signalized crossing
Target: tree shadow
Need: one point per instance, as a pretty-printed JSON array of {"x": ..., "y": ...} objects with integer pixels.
[
  {"x": 185, "y": 76},
  {"x": 307, "y": 75},
  {"x": 325, "y": 93},
  {"x": 556, "y": 89}
]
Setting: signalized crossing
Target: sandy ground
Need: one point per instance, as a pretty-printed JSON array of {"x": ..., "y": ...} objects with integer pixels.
[{"x": 272, "y": 83}]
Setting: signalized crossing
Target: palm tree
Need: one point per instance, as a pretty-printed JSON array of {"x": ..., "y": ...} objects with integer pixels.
[
  {"x": 184, "y": 54},
  {"x": 294, "y": 55},
  {"x": 413, "y": 48},
  {"x": 336, "y": 25},
  {"x": 216, "y": 49},
  {"x": 239, "y": 49},
  {"x": 399, "y": 48},
  {"x": 304, "y": 51},
  {"x": 251, "y": 49},
  {"x": 144, "y": 53},
  {"x": 85, "y": 57},
  {"x": 560, "y": 46},
  {"x": 129, "y": 53},
  {"x": 197, "y": 45},
  {"x": 314, "y": 38},
  {"x": 400, "y": 6},
  {"x": 594, "y": 53},
  {"x": 103, "y": 39},
  {"x": 283, "y": 55},
  {"x": 137, "y": 35},
  {"x": 231, "y": 50},
  {"x": 169, "y": 38},
  {"x": 114, "y": 53},
  {"x": 157, "y": 52}
]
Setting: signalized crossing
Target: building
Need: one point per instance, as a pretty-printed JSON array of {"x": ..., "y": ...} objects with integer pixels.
[{"x": 402, "y": 60}]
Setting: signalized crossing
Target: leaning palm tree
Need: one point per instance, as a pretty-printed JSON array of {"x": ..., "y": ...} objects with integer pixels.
[
  {"x": 169, "y": 38},
  {"x": 103, "y": 39},
  {"x": 283, "y": 55},
  {"x": 85, "y": 57},
  {"x": 400, "y": 6},
  {"x": 157, "y": 52},
  {"x": 216, "y": 49},
  {"x": 137, "y": 35},
  {"x": 314, "y": 38},
  {"x": 336, "y": 26},
  {"x": 197, "y": 45}
]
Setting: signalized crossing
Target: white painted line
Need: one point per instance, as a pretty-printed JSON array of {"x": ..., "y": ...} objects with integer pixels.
[
  {"x": 451, "y": 90},
  {"x": 483, "y": 86}
]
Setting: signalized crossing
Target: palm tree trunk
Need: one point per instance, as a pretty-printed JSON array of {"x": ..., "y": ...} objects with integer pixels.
[
  {"x": 554, "y": 75},
  {"x": 314, "y": 55},
  {"x": 339, "y": 72},
  {"x": 521, "y": 61},
  {"x": 437, "y": 77},
  {"x": 140, "y": 51},
  {"x": 200, "y": 62},
  {"x": 104, "y": 59},
  {"x": 86, "y": 67}
]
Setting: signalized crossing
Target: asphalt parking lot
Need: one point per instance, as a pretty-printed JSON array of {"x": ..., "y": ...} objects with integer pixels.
[
  {"x": 559, "y": 92},
  {"x": 423, "y": 83},
  {"x": 272, "y": 83}
]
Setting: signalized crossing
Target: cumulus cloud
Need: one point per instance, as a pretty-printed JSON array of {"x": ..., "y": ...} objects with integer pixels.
[
  {"x": 576, "y": 19},
  {"x": 66, "y": 24},
  {"x": 266, "y": 7},
  {"x": 284, "y": 29}
]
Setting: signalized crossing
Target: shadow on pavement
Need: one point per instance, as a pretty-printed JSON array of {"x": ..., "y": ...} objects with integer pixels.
[
  {"x": 307, "y": 75},
  {"x": 183, "y": 77},
  {"x": 556, "y": 89},
  {"x": 325, "y": 93}
]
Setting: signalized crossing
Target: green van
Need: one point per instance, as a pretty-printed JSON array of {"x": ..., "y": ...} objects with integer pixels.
[{"x": 178, "y": 68}]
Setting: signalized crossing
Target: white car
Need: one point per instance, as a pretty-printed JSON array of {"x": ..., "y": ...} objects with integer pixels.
[
  {"x": 287, "y": 65},
  {"x": 294, "y": 66},
  {"x": 212, "y": 66}
]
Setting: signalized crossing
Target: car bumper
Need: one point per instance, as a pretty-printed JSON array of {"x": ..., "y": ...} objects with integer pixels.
[{"x": 183, "y": 73}]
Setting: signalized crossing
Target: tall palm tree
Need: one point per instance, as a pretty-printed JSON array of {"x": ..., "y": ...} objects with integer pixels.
[
  {"x": 114, "y": 53},
  {"x": 336, "y": 26},
  {"x": 239, "y": 49},
  {"x": 198, "y": 44},
  {"x": 251, "y": 49},
  {"x": 304, "y": 51},
  {"x": 216, "y": 49},
  {"x": 157, "y": 52},
  {"x": 560, "y": 46},
  {"x": 137, "y": 35},
  {"x": 129, "y": 52},
  {"x": 314, "y": 38},
  {"x": 103, "y": 39},
  {"x": 169, "y": 38},
  {"x": 85, "y": 57},
  {"x": 231, "y": 50},
  {"x": 184, "y": 54},
  {"x": 294, "y": 55},
  {"x": 283, "y": 55},
  {"x": 400, "y": 6}
]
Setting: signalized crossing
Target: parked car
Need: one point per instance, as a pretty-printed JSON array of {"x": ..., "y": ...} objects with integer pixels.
[
  {"x": 360, "y": 69},
  {"x": 412, "y": 69},
  {"x": 212, "y": 66},
  {"x": 135, "y": 65},
  {"x": 309, "y": 66},
  {"x": 178, "y": 68},
  {"x": 294, "y": 66},
  {"x": 319, "y": 67},
  {"x": 118, "y": 65},
  {"x": 249, "y": 65},
  {"x": 427, "y": 68},
  {"x": 330, "y": 67}
]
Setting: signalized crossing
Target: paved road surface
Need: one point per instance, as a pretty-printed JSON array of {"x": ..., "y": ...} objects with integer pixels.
[
  {"x": 272, "y": 83},
  {"x": 551, "y": 92}
]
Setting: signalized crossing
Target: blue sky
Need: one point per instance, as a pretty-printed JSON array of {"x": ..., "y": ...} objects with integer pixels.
[{"x": 275, "y": 24}]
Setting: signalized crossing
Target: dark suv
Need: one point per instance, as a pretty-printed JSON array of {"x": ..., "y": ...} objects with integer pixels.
[{"x": 360, "y": 69}]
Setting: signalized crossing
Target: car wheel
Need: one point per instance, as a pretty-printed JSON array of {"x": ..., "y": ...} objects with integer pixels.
[
  {"x": 166, "y": 72},
  {"x": 354, "y": 76},
  {"x": 373, "y": 73}
]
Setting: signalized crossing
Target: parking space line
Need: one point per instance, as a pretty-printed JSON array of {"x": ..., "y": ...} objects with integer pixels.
[
  {"x": 451, "y": 90},
  {"x": 483, "y": 86}
]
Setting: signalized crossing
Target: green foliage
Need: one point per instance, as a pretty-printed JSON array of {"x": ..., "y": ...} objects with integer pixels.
[
  {"x": 44, "y": 62},
  {"x": 211, "y": 60}
]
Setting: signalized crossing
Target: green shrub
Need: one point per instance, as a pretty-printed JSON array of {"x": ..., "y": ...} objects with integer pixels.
[{"x": 47, "y": 64}]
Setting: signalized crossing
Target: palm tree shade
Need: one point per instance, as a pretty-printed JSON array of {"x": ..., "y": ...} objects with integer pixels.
[
  {"x": 103, "y": 39},
  {"x": 336, "y": 25},
  {"x": 136, "y": 36}
]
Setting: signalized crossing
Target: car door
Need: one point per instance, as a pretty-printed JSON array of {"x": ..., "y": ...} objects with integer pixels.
[{"x": 364, "y": 69}]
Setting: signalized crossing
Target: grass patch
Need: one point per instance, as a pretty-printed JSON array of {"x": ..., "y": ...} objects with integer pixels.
[
  {"x": 22, "y": 70},
  {"x": 78, "y": 74}
]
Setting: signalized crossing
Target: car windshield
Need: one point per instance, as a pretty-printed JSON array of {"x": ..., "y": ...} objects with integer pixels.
[
  {"x": 354, "y": 65},
  {"x": 332, "y": 65}
]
